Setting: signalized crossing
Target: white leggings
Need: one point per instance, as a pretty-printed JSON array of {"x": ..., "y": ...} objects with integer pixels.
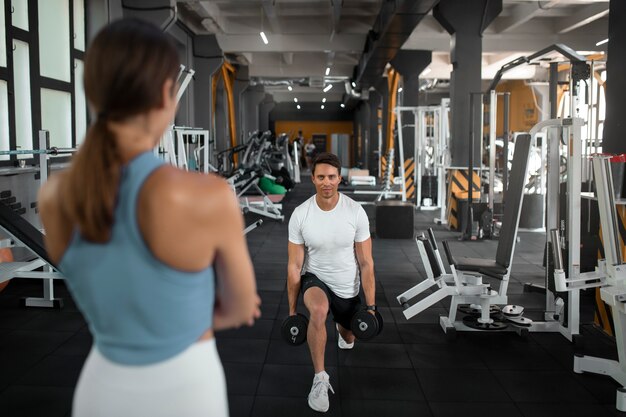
[{"x": 190, "y": 384}]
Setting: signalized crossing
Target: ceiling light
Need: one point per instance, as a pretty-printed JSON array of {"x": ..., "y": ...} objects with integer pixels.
[
  {"x": 289, "y": 88},
  {"x": 342, "y": 105},
  {"x": 602, "y": 42},
  {"x": 322, "y": 107},
  {"x": 265, "y": 41},
  {"x": 295, "y": 99},
  {"x": 324, "y": 100},
  {"x": 327, "y": 70},
  {"x": 327, "y": 88},
  {"x": 426, "y": 71},
  {"x": 353, "y": 84},
  {"x": 400, "y": 90},
  {"x": 298, "y": 106}
]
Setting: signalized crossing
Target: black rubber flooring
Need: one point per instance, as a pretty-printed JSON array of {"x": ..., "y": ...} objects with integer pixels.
[{"x": 411, "y": 369}]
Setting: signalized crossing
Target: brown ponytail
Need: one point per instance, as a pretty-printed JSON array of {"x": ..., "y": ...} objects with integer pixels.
[
  {"x": 91, "y": 185},
  {"x": 125, "y": 69}
]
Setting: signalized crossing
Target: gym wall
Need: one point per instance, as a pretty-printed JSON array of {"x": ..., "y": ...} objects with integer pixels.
[
  {"x": 524, "y": 114},
  {"x": 310, "y": 128}
]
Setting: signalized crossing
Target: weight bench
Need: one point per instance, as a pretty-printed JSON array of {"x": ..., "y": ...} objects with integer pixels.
[
  {"x": 466, "y": 284},
  {"x": 22, "y": 233}
]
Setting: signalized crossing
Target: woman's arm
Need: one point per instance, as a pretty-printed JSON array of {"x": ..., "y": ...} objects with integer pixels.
[{"x": 237, "y": 301}]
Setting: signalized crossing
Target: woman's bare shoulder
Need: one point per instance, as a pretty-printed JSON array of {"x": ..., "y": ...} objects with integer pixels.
[
  {"x": 191, "y": 209},
  {"x": 176, "y": 192}
]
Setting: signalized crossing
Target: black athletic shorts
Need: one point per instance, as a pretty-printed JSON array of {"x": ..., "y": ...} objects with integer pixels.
[{"x": 342, "y": 308}]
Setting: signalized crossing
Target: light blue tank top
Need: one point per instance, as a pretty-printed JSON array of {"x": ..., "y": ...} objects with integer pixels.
[{"x": 140, "y": 311}]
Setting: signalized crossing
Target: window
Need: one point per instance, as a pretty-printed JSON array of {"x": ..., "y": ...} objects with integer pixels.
[
  {"x": 4, "y": 120},
  {"x": 81, "y": 102},
  {"x": 56, "y": 117},
  {"x": 42, "y": 45},
  {"x": 20, "y": 14},
  {"x": 21, "y": 76},
  {"x": 3, "y": 38},
  {"x": 79, "y": 25},
  {"x": 54, "y": 39}
]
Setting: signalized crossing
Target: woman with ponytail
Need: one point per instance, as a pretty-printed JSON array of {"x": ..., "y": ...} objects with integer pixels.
[{"x": 142, "y": 243}]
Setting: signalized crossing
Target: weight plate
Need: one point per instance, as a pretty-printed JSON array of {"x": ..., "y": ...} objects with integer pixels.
[
  {"x": 471, "y": 321},
  {"x": 294, "y": 329},
  {"x": 364, "y": 325}
]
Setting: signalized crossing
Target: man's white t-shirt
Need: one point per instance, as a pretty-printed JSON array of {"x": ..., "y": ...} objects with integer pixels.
[{"x": 329, "y": 238}]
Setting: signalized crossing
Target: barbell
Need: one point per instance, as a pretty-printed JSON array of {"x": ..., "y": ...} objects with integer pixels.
[{"x": 51, "y": 151}]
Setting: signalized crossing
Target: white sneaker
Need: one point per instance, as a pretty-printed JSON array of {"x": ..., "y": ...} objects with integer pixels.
[
  {"x": 341, "y": 342},
  {"x": 318, "y": 397}
]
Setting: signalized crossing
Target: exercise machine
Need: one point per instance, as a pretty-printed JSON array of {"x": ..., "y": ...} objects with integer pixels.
[
  {"x": 23, "y": 234},
  {"x": 609, "y": 276},
  {"x": 465, "y": 283}
]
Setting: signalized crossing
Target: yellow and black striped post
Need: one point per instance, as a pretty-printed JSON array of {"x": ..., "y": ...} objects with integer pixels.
[
  {"x": 387, "y": 167},
  {"x": 458, "y": 189},
  {"x": 409, "y": 182}
]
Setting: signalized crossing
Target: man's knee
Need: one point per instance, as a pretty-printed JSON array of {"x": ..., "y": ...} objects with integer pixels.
[
  {"x": 318, "y": 312},
  {"x": 317, "y": 304}
]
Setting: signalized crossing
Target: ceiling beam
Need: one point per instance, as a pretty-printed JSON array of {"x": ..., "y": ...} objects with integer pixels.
[
  {"x": 336, "y": 13},
  {"x": 520, "y": 14},
  {"x": 210, "y": 16},
  {"x": 538, "y": 36},
  {"x": 287, "y": 58},
  {"x": 270, "y": 15},
  {"x": 585, "y": 16},
  {"x": 298, "y": 70},
  {"x": 342, "y": 42}
]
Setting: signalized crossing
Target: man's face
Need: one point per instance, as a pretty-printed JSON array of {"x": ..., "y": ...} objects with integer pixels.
[{"x": 326, "y": 179}]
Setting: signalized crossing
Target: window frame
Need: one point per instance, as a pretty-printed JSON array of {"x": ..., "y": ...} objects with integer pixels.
[{"x": 37, "y": 82}]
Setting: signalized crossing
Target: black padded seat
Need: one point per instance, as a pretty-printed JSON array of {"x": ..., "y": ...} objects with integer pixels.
[
  {"x": 28, "y": 234},
  {"x": 483, "y": 266},
  {"x": 498, "y": 267}
]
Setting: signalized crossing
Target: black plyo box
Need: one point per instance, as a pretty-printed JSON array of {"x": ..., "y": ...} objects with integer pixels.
[{"x": 394, "y": 219}]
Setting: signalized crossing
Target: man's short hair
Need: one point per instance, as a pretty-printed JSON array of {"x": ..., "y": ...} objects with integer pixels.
[{"x": 327, "y": 158}]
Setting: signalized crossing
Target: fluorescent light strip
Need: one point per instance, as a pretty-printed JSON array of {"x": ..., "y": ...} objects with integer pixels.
[
  {"x": 289, "y": 88},
  {"x": 322, "y": 107},
  {"x": 400, "y": 90},
  {"x": 324, "y": 100},
  {"x": 298, "y": 106},
  {"x": 353, "y": 84},
  {"x": 602, "y": 42},
  {"x": 327, "y": 88},
  {"x": 295, "y": 99},
  {"x": 265, "y": 41},
  {"x": 327, "y": 70}
]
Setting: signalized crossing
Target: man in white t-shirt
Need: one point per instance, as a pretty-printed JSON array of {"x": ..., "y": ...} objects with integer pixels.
[{"x": 333, "y": 231}]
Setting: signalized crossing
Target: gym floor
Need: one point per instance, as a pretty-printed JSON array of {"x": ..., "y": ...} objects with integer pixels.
[{"x": 408, "y": 370}]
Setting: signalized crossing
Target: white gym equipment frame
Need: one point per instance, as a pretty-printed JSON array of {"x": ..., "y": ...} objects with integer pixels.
[
  {"x": 467, "y": 286},
  {"x": 609, "y": 276},
  {"x": 10, "y": 270},
  {"x": 296, "y": 163},
  {"x": 467, "y": 283},
  {"x": 241, "y": 184},
  {"x": 566, "y": 130},
  {"x": 440, "y": 151},
  {"x": 387, "y": 190}
]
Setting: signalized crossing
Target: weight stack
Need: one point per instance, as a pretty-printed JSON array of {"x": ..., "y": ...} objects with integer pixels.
[{"x": 394, "y": 219}]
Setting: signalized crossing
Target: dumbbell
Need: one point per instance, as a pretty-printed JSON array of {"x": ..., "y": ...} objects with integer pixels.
[
  {"x": 366, "y": 326},
  {"x": 294, "y": 329}
]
